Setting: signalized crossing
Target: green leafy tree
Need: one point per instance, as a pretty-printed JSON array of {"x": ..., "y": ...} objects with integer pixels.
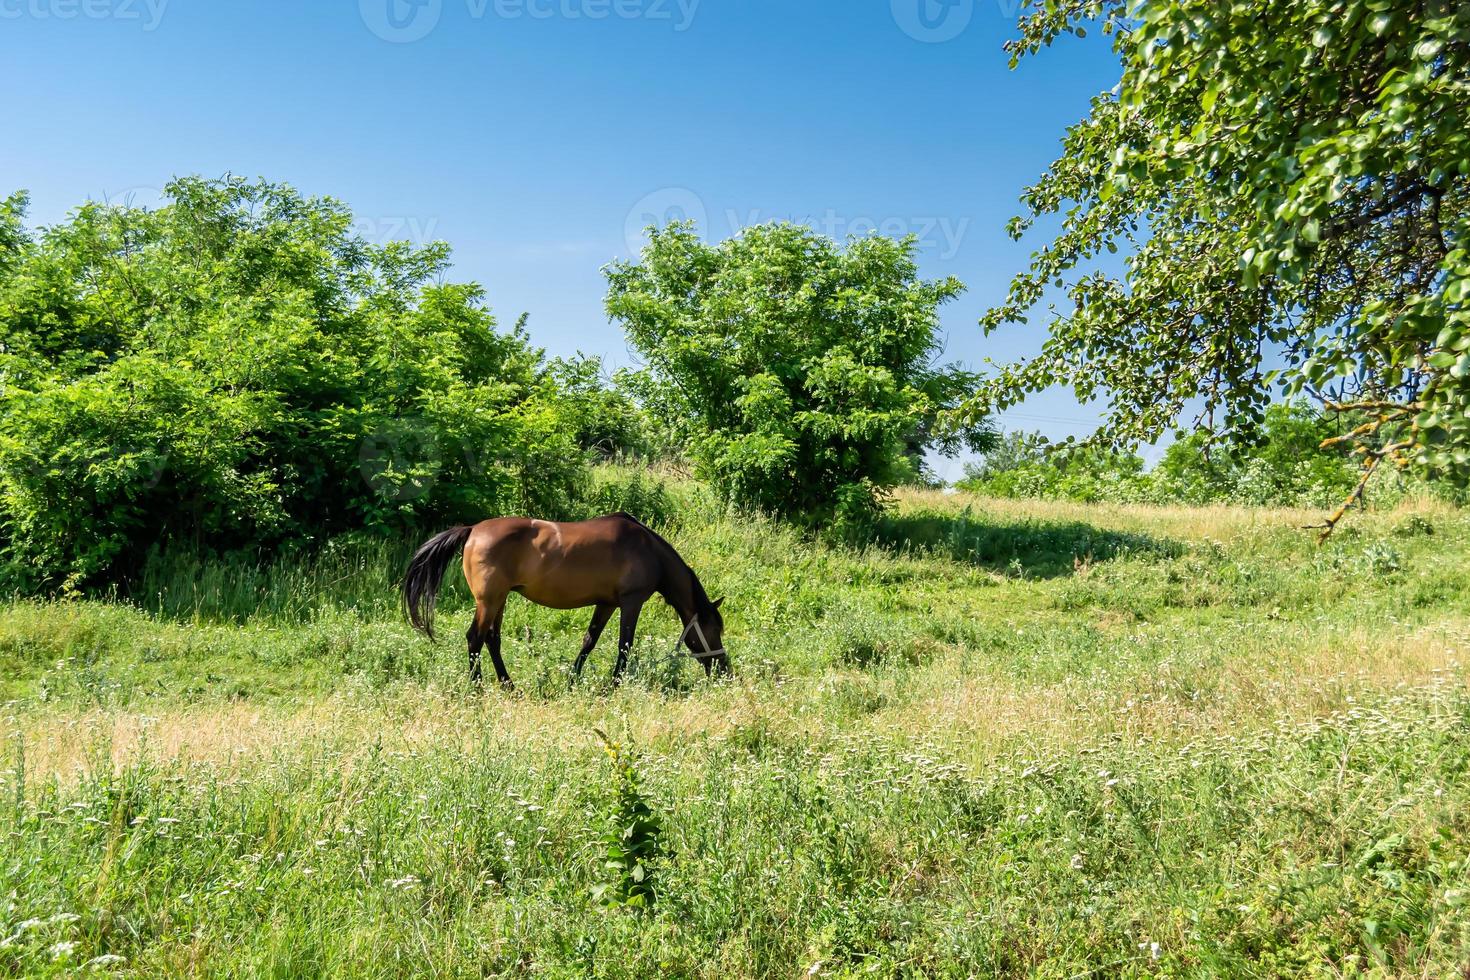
[
  {"x": 238, "y": 367},
  {"x": 1290, "y": 180},
  {"x": 800, "y": 372}
]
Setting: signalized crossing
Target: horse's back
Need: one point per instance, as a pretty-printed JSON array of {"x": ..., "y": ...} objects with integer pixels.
[
  {"x": 565, "y": 565},
  {"x": 500, "y": 533}
]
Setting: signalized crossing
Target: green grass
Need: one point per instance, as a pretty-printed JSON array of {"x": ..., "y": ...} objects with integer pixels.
[{"x": 1002, "y": 740}]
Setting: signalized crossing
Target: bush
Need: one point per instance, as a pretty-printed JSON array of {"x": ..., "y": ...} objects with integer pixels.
[
  {"x": 1024, "y": 466},
  {"x": 610, "y": 422},
  {"x": 237, "y": 367},
  {"x": 797, "y": 371}
]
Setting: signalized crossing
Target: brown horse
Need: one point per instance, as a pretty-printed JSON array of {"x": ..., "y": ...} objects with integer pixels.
[{"x": 612, "y": 563}]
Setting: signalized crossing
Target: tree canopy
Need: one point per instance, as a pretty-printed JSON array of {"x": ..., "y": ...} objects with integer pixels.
[
  {"x": 801, "y": 372},
  {"x": 1290, "y": 185}
]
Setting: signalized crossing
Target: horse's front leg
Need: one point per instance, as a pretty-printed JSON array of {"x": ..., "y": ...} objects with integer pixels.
[
  {"x": 627, "y": 629},
  {"x": 600, "y": 616}
]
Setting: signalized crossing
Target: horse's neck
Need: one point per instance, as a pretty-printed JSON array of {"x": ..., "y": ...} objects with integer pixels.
[{"x": 677, "y": 585}]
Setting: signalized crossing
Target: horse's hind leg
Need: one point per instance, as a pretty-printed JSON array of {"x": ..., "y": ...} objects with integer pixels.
[
  {"x": 477, "y": 642},
  {"x": 485, "y": 629},
  {"x": 600, "y": 616},
  {"x": 494, "y": 613}
]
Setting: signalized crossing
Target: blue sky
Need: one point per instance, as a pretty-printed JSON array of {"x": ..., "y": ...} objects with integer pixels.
[{"x": 536, "y": 136}]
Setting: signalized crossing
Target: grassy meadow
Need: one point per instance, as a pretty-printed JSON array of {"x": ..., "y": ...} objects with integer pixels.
[{"x": 1002, "y": 739}]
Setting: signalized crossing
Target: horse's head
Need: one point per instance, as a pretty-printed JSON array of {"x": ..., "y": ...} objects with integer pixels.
[{"x": 706, "y": 635}]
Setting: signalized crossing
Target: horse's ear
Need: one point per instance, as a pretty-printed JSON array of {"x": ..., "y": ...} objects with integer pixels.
[{"x": 719, "y": 602}]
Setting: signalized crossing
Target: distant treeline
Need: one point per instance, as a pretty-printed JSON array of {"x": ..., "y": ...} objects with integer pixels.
[{"x": 1284, "y": 464}]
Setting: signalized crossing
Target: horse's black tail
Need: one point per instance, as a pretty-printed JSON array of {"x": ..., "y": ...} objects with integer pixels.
[{"x": 426, "y": 574}]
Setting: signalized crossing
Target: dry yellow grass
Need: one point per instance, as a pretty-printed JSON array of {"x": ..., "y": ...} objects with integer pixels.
[
  {"x": 1218, "y": 521},
  {"x": 986, "y": 713}
]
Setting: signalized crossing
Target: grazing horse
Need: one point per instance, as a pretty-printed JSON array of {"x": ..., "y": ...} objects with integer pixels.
[{"x": 612, "y": 563}]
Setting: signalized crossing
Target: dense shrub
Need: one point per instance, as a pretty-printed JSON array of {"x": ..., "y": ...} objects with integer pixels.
[
  {"x": 611, "y": 424},
  {"x": 238, "y": 366},
  {"x": 798, "y": 371}
]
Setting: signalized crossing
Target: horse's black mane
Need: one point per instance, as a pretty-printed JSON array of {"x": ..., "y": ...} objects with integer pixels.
[{"x": 701, "y": 597}]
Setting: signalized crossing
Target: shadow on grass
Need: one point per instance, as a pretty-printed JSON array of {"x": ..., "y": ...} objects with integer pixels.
[{"x": 1034, "y": 548}]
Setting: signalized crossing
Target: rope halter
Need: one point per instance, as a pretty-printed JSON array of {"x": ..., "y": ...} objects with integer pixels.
[{"x": 699, "y": 632}]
